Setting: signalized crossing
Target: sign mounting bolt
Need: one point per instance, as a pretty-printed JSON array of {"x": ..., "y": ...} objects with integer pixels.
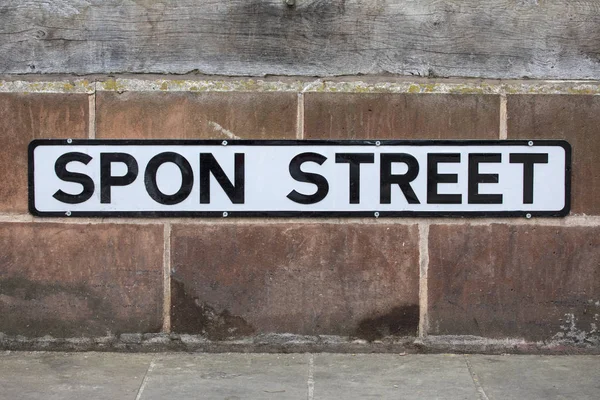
[
  {"x": 68, "y": 213},
  {"x": 69, "y": 141},
  {"x": 378, "y": 143},
  {"x": 224, "y": 142},
  {"x": 376, "y": 214},
  {"x": 530, "y": 143},
  {"x": 528, "y": 216},
  {"x": 225, "y": 214}
]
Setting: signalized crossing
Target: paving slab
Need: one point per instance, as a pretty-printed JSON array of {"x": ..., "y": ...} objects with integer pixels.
[
  {"x": 178, "y": 376},
  {"x": 536, "y": 377},
  {"x": 71, "y": 376},
  {"x": 227, "y": 376},
  {"x": 389, "y": 376}
]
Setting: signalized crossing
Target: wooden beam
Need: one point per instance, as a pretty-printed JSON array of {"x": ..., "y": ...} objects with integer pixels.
[{"x": 466, "y": 38}]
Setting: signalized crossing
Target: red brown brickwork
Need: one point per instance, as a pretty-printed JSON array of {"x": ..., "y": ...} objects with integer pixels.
[
  {"x": 184, "y": 115},
  {"x": 69, "y": 280},
  {"x": 314, "y": 278},
  {"x": 400, "y": 116},
  {"x": 535, "y": 282},
  {"x": 24, "y": 117},
  {"x": 573, "y": 118},
  {"x": 233, "y": 278}
]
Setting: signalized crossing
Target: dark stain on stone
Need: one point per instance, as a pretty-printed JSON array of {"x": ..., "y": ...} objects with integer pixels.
[
  {"x": 36, "y": 309},
  {"x": 29, "y": 290},
  {"x": 400, "y": 321},
  {"x": 191, "y": 316}
]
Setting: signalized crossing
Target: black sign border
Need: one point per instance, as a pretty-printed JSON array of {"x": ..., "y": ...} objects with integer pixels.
[{"x": 298, "y": 214}]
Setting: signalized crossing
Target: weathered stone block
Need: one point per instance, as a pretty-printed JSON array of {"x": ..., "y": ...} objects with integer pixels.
[
  {"x": 575, "y": 118},
  {"x": 185, "y": 115},
  {"x": 305, "y": 278},
  {"x": 526, "y": 281},
  {"x": 24, "y": 117},
  {"x": 400, "y": 116},
  {"x": 68, "y": 280}
]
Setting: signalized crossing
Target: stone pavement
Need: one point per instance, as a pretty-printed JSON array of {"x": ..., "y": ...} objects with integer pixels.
[{"x": 114, "y": 376}]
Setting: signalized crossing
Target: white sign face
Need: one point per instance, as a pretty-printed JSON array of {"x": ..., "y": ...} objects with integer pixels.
[{"x": 299, "y": 178}]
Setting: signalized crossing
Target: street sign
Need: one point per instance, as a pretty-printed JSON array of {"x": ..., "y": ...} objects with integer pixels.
[{"x": 299, "y": 178}]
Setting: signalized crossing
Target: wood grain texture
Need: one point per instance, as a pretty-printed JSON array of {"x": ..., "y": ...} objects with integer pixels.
[{"x": 475, "y": 38}]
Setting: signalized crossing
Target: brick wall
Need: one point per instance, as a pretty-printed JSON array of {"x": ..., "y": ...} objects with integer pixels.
[{"x": 359, "y": 280}]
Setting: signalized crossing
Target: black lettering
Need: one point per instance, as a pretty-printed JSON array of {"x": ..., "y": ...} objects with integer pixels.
[
  {"x": 354, "y": 160},
  {"x": 319, "y": 180},
  {"x": 107, "y": 180},
  {"x": 209, "y": 165},
  {"x": 434, "y": 178},
  {"x": 528, "y": 161},
  {"x": 386, "y": 178},
  {"x": 187, "y": 178},
  {"x": 60, "y": 168},
  {"x": 475, "y": 178}
]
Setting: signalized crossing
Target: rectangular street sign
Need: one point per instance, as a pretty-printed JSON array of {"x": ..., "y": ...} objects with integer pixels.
[{"x": 388, "y": 178}]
